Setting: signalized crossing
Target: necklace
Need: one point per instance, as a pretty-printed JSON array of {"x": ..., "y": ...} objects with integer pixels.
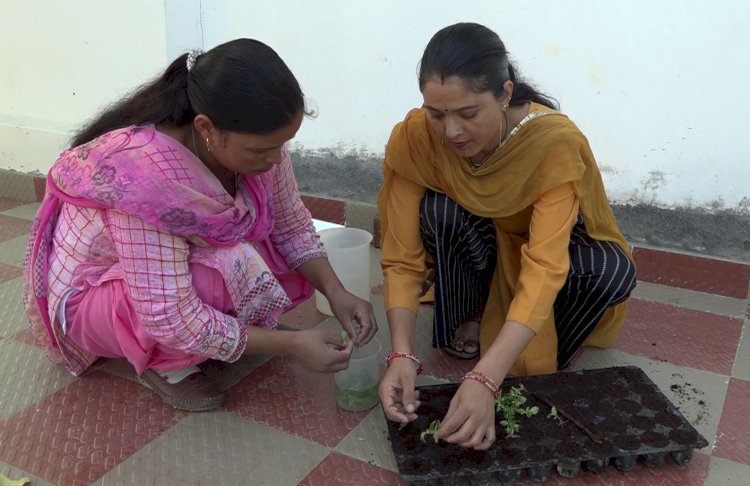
[{"x": 476, "y": 165}]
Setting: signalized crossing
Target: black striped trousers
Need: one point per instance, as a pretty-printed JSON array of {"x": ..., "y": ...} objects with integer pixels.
[{"x": 464, "y": 249}]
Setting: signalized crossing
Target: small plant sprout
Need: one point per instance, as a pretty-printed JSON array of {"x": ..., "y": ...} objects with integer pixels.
[
  {"x": 511, "y": 405},
  {"x": 510, "y": 427},
  {"x": 344, "y": 336},
  {"x": 403, "y": 424},
  {"x": 554, "y": 416},
  {"x": 559, "y": 411},
  {"x": 431, "y": 431},
  {"x": 529, "y": 412}
]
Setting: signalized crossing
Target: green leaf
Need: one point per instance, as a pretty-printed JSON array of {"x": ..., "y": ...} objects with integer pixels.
[
  {"x": 554, "y": 415},
  {"x": 434, "y": 426},
  {"x": 344, "y": 336},
  {"x": 510, "y": 405}
]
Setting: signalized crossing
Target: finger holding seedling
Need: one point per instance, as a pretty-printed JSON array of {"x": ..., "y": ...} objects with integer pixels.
[
  {"x": 430, "y": 431},
  {"x": 470, "y": 420},
  {"x": 363, "y": 326},
  {"x": 321, "y": 350},
  {"x": 355, "y": 315},
  {"x": 400, "y": 399},
  {"x": 368, "y": 325},
  {"x": 345, "y": 337},
  {"x": 349, "y": 332}
]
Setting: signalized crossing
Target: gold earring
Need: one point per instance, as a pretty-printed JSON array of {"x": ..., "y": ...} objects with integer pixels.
[{"x": 208, "y": 146}]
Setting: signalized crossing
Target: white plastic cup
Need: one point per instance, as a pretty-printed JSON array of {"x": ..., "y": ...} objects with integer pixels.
[
  {"x": 349, "y": 253},
  {"x": 357, "y": 386}
]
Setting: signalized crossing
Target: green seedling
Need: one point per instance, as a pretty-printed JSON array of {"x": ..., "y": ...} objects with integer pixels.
[
  {"x": 510, "y": 404},
  {"x": 403, "y": 424},
  {"x": 431, "y": 431},
  {"x": 345, "y": 337},
  {"x": 554, "y": 416},
  {"x": 510, "y": 427}
]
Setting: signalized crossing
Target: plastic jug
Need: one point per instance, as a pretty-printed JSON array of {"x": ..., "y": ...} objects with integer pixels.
[{"x": 349, "y": 253}]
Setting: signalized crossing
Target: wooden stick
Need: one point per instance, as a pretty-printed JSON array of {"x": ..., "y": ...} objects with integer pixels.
[{"x": 578, "y": 424}]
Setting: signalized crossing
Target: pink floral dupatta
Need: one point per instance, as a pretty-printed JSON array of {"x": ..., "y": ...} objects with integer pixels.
[{"x": 139, "y": 171}]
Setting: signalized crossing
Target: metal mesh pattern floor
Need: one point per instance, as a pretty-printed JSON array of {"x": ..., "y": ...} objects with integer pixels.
[{"x": 280, "y": 424}]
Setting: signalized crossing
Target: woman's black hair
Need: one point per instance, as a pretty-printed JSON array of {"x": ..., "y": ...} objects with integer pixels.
[
  {"x": 242, "y": 85},
  {"x": 476, "y": 54}
]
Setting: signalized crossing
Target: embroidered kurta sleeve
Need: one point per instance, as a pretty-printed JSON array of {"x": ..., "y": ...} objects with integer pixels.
[
  {"x": 293, "y": 234},
  {"x": 155, "y": 268},
  {"x": 402, "y": 252},
  {"x": 545, "y": 260}
]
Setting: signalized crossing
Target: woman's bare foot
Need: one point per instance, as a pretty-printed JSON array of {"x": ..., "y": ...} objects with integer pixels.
[{"x": 466, "y": 341}]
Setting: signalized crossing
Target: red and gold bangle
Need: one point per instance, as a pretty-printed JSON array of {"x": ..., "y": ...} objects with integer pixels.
[
  {"x": 410, "y": 356},
  {"x": 484, "y": 380}
]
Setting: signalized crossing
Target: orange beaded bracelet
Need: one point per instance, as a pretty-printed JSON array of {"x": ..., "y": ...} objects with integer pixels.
[
  {"x": 410, "y": 356},
  {"x": 484, "y": 380}
]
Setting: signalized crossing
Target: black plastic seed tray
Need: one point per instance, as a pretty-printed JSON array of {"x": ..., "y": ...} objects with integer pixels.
[{"x": 620, "y": 406}]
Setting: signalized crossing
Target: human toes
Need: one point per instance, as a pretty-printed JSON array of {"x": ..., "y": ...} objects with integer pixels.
[{"x": 471, "y": 346}]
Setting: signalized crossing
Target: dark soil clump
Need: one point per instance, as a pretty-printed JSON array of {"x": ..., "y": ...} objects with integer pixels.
[
  {"x": 642, "y": 423},
  {"x": 655, "y": 440},
  {"x": 686, "y": 393},
  {"x": 627, "y": 442},
  {"x": 667, "y": 419},
  {"x": 630, "y": 407}
]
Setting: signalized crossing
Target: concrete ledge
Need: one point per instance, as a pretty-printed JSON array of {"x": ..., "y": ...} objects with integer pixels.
[
  {"x": 346, "y": 178},
  {"x": 21, "y": 186},
  {"x": 344, "y": 191},
  {"x": 721, "y": 234}
]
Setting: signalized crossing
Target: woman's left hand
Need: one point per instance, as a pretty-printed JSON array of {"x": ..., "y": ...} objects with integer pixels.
[
  {"x": 470, "y": 421},
  {"x": 349, "y": 308}
]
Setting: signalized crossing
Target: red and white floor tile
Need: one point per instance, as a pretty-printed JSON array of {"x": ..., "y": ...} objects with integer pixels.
[{"x": 280, "y": 424}]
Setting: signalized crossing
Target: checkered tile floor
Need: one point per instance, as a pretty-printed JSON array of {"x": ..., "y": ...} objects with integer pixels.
[{"x": 281, "y": 426}]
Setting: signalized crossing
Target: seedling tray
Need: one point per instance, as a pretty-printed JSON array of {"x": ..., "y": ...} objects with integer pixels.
[{"x": 621, "y": 406}]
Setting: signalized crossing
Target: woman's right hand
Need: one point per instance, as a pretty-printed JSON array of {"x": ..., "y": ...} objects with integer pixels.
[
  {"x": 397, "y": 394},
  {"x": 321, "y": 351}
]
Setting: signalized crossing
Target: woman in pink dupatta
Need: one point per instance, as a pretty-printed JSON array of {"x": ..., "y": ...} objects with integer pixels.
[{"x": 173, "y": 232}]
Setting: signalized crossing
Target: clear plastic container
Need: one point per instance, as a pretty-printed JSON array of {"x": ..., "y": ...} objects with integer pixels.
[
  {"x": 349, "y": 253},
  {"x": 357, "y": 386}
]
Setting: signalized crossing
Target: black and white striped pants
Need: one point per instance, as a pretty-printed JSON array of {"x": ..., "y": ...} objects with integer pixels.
[{"x": 464, "y": 249}]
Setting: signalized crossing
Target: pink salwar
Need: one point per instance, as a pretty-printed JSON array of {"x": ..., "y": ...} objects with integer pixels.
[{"x": 103, "y": 322}]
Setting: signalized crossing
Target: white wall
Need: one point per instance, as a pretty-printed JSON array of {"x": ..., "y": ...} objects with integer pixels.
[
  {"x": 62, "y": 62},
  {"x": 659, "y": 88}
]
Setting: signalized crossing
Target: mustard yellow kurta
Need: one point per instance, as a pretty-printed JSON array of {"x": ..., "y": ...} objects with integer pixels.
[{"x": 533, "y": 187}]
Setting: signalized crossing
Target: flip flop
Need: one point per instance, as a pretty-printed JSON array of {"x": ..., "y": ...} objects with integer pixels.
[{"x": 464, "y": 354}]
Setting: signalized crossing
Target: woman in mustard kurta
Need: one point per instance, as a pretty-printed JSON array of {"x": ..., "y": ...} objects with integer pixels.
[{"x": 502, "y": 193}]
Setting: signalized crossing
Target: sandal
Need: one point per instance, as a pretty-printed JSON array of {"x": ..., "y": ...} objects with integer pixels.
[
  {"x": 196, "y": 393},
  {"x": 464, "y": 354},
  {"x": 470, "y": 342}
]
